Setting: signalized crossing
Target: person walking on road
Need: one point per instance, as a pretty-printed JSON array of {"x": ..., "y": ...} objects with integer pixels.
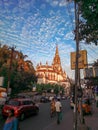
[
  {"x": 58, "y": 107},
  {"x": 52, "y": 108},
  {"x": 11, "y": 122}
]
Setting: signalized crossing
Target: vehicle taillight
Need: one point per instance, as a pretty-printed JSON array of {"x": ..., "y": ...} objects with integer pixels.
[{"x": 16, "y": 111}]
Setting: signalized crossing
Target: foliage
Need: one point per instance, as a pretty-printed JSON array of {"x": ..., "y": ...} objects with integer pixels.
[
  {"x": 21, "y": 72},
  {"x": 96, "y": 63},
  {"x": 48, "y": 87},
  {"x": 89, "y": 21},
  {"x": 4, "y": 72},
  {"x": 3, "y": 55}
]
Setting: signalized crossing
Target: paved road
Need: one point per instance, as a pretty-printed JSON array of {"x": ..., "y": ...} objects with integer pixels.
[
  {"x": 92, "y": 121},
  {"x": 44, "y": 122}
]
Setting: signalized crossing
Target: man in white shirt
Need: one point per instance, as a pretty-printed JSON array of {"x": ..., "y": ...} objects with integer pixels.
[{"x": 58, "y": 107}]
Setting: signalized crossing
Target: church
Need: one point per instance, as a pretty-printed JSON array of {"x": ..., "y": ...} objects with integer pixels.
[{"x": 52, "y": 74}]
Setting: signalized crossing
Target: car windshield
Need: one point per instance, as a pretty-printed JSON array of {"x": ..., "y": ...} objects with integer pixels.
[{"x": 13, "y": 103}]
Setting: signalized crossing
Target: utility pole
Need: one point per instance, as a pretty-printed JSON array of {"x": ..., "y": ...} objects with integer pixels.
[
  {"x": 10, "y": 68},
  {"x": 77, "y": 126},
  {"x": 76, "y": 66}
]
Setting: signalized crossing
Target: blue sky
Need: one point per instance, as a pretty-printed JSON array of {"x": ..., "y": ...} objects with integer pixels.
[{"x": 35, "y": 27}]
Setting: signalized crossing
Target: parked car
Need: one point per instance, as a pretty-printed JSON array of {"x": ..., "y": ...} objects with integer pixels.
[
  {"x": 86, "y": 106},
  {"x": 22, "y": 107},
  {"x": 44, "y": 99}
]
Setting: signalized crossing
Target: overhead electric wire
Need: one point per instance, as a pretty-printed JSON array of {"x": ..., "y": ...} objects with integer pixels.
[
  {"x": 68, "y": 8},
  {"x": 90, "y": 48},
  {"x": 90, "y": 54}
]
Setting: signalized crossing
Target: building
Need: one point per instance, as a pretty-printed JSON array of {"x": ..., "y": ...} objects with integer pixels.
[{"x": 52, "y": 74}]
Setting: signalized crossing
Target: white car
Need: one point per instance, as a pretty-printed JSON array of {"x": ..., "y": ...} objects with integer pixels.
[
  {"x": 63, "y": 97},
  {"x": 50, "y": 98},
  {"x": 72, "y": 104}
]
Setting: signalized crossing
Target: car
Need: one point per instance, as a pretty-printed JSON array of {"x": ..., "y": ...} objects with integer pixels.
[
  {"x": 51, "y": 97},
  {"x": 86, "y": 106},
  {"x": 44, "y": 99},
  {"x": 22, "y": 107},
  {"x": 58, "y": 97},
  {"x": 63, "y": 97},
  {"x": 72, "y": 104}
]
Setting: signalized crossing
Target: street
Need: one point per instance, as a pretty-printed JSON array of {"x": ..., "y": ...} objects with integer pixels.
[{"x": 43, "y": 121}]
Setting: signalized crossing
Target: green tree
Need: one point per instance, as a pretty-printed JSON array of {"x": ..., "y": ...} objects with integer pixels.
[
  {"x": 22, "y": 72},
  {"x": 4, "y": 55},
  {"x": 89, "y": 21}
]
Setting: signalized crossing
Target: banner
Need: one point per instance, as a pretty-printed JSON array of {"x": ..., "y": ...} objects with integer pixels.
[{"x": 1, "y": 81}]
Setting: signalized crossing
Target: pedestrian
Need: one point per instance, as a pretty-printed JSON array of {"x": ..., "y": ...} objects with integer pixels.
[
  {"x": 58, "y": 107},
  {"x": 11, "y": 122},
  {"x": 52, "y": 108}
]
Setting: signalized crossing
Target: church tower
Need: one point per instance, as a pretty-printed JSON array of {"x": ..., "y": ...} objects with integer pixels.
[
  {"x": 52, "y": 74},
  {"x": 56, "y": 61}
]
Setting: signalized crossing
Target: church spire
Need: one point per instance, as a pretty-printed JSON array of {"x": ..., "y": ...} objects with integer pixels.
[
  {"x": 57, "y": 52},
  {"x": 56, "y": 61}
]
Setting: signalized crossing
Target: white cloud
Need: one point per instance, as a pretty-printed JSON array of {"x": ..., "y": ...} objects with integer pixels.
[
  {"x": 60, "y": 3},
  {"x": 36, "y": 33},
  {"x": 69, "y": 36}
]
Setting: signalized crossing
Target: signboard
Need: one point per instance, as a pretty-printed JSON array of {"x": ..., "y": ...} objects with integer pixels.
[
  {"x": 88, "y": 72},
  {"x": 82, "y": 59},
  {"x": 1, "y": 81}
]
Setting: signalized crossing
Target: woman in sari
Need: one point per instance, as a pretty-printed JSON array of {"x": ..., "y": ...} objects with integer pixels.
[{"x": 11, "y": 122}]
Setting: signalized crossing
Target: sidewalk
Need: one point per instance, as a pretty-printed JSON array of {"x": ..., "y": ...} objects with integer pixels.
[{"x": 92, "y": 121}]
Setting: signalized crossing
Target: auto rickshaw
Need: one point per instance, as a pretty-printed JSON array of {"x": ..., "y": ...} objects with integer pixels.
[{"x": 86, "y": 106}]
